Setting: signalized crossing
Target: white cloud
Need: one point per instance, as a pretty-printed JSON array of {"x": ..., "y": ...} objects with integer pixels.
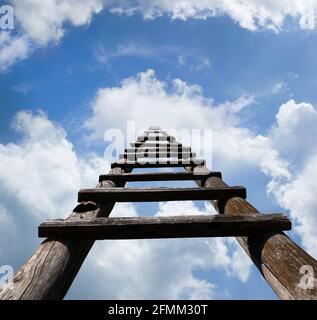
[
  {"x": 42, "y": 172},
  {"x": 252, "y": 15},
  {"x": 299, "y": 197},
  {"x": 45, "y": 22},
  {"x": 148, "y": 100},
  {"x": 22, "y": 88},
  {"x": 178, "y": 105},
  {"x": 282, "y": 154},
  {"x": 294, "y": 134},
  {"x": 295, "y": 138},
  {"x": 129, "y": 49},
  {"x": 12, "y": 49},
  {"x": 280, "y": 87},
  {"x": 167, "y": 54},
  {"x": 194, "y": 63},
  {"x": 40, "y": 176},
  {"x": 176, "y": 208},
  {"x": 41, "y": 23}
]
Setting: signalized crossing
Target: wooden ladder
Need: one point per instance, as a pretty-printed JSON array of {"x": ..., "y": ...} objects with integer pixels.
[
  {"x": 50, "y": 271},
  {"x": 166, "y": 153}
]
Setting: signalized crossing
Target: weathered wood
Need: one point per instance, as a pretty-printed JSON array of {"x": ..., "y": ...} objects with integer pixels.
[
  {"x": 276, "y": 256},
  {"x": 155, "y": 145},
  {"x": 159, "y": 194},
  {"x": 158, "y": 176},
  {"x": 51, "y": 269},
  {"x": 147, "y": 132},
  {"x": 194, "y": 226},
  {"x": 161, "y": 149},
  {"x": 132, "y": 156},
  {"x": 161, "y": 163},
  {"x": 156, "y": 138}
]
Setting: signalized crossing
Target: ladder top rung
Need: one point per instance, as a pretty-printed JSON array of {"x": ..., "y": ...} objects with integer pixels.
[
  {"x": 159, "y": 176},
  {"x": 154, "y": 128},
  {"x": 155, "y": 131},
  {"x": 159, "y": 194},
  {"x": 165, "y": 227}
]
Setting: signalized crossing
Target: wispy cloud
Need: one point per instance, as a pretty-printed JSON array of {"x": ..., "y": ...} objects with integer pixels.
[
  {"x": 136, "y": 49},
  {"x": 166, "y": 54},
  {"x": 22, "y": 88},
  {"x": 280, "y": 87},
  {"x": 194, "y": 62}
]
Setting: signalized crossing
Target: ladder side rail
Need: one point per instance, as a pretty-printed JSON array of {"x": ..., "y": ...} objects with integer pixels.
[
  {"x": 50, "y": 271},
  {"x": 276, "y": 256}
]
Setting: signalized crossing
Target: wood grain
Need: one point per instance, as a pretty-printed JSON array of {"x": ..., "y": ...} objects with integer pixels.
[
  {"x": 50, "y": 271},
  {"x": 132, "y": 156},
  {"x": 125, "y": 164},
  {"x": 164, "y": 227},
  {"x": 159, "y": 176},
  {"x": 276, "y": 256},
  {"x": 159, "y": 194}
]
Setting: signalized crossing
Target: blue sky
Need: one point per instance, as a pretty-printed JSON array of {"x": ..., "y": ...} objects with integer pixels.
[{"x": 253, "y": 86}]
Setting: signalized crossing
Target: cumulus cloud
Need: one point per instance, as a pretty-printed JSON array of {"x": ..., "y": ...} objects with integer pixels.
[
  {"x": 178, "y": 105},
  {"x": 41, "y": 23},
  {"x": 39, "y": 178},
  {"x": 284, "y": 154},
  {"x": 295, "y": 137},
  {"x": 46, "y": 160},
  {"x": 45, "y": 22},
  {"x": 12, "y": 49},
  {"x": 148, "y": 100},
  {"x": 248, "y": 14}
]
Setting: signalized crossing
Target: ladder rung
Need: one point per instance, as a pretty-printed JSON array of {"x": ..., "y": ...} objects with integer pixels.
[
  {"x": 155, "y": 145},
  {"x": 160, "y": 149},
  {"x": 161, "y": 155},
  {"x": 159, "y": 194},
  {"x": 158, "y": 176},
  {"x": 158, "y": 164},
  {"x": 155, "y": 138},
  {"x": 154, "y": 131},
  {"x": 165, "y": 227}
]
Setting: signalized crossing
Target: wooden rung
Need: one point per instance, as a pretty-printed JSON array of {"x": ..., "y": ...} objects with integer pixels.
[
  {"x": 155, "y": 145},
  {"x": 155, "y": 138},
  {"x": 164, "y": 227},
  {"x": 159, "y": 194},
  {"x": 155, "y": 131},
  {"x": 158, "y": 176},
  {"x": 126, "y": 164},
  {"x": 160, "y": 149},
  {"x": 132, "y": 155}
]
